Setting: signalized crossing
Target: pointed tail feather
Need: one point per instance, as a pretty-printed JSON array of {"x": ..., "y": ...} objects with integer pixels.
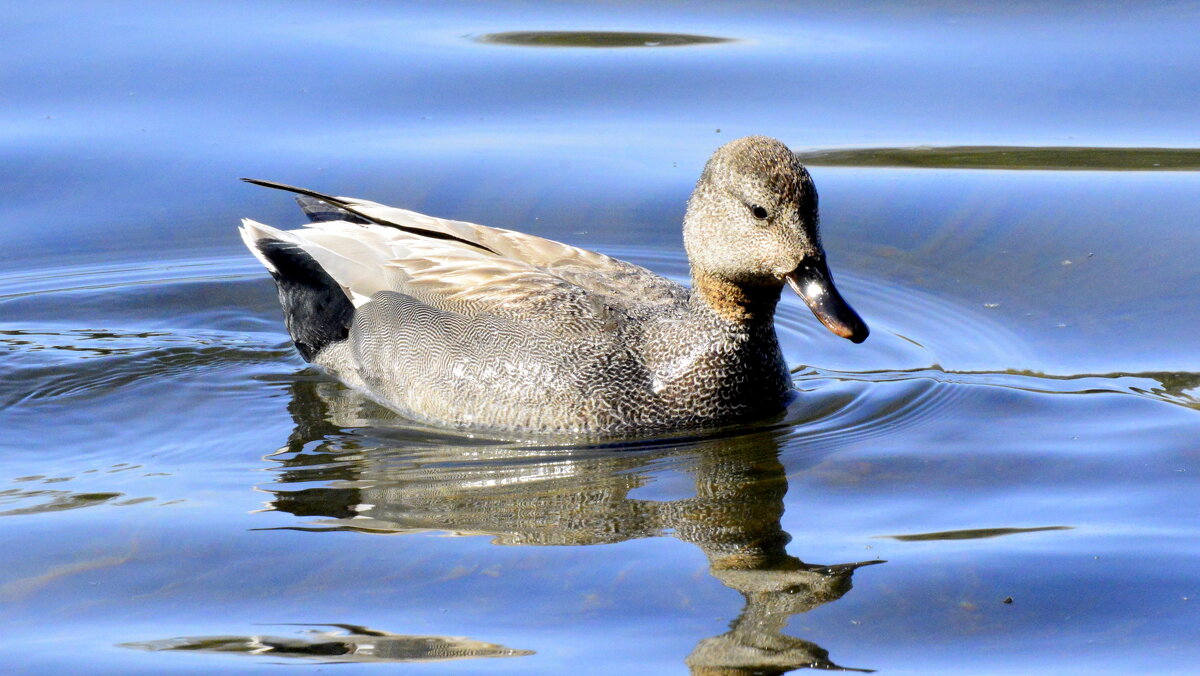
[{"x": 351, "y": 207}]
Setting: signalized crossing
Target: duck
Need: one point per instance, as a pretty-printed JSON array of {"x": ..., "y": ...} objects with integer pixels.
[{"x": 479, "y": 328}]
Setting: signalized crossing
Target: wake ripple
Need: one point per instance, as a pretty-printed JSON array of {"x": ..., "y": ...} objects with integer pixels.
[{"x": 144, "y": 324}]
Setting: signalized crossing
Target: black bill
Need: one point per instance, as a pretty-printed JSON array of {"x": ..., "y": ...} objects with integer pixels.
[{"x": 811, "y": 279}]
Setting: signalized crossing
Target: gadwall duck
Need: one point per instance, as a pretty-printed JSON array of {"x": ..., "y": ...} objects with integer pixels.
[{"x": 473, "y": 327}]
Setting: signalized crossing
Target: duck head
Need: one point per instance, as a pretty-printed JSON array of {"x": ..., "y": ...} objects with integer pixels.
[{"x": 751, "y": 226}]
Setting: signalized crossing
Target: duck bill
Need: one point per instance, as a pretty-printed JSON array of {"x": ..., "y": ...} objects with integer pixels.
[{"x": 815, "y": 285}]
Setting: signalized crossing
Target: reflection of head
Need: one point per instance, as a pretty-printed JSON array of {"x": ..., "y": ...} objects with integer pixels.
[
  {"x": 417, "y": 480},
  {"x": 755, "y": 642}
]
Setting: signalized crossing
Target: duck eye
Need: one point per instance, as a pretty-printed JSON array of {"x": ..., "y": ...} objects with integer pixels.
[{"x": 759, "y": 212}]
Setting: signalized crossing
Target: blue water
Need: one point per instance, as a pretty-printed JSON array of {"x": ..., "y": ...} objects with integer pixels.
[{"x": 180, "y": 493}]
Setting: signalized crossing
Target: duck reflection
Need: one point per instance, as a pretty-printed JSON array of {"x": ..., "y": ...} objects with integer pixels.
[{"x": 413, "y": 481}]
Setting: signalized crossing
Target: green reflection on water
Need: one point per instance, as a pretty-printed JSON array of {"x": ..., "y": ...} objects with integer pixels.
[
  {"x": 354, "y": 644},
  {"x": 597, "y": 39},
  {"x": 1010, "y": 157},
  {"x": 52, "y": 501}
]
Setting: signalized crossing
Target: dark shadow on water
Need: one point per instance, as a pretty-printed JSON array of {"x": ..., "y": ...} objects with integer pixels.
[
  {"x": 971, "y": 534},
  {"x": 1010, "y": 157},
  {"x": 595, "y": 39},
  {"x": 523, "y": 496}
]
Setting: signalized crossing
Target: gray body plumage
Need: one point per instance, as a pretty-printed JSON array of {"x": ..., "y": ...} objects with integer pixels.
[
  {"x": 676, "y": 368},
  {"x": 463, "y": 325}
]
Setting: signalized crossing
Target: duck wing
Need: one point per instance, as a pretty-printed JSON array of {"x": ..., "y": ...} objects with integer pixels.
[{"x": 468, "y": 268}]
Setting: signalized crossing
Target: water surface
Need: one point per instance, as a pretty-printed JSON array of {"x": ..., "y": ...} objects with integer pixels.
[{"x": 1002, "y": 479}]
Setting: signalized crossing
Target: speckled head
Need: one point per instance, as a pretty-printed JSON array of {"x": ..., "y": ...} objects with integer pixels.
[{"x": 751, "y": 226}]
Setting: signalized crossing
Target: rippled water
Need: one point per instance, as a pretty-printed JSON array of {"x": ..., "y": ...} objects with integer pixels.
[{"x": 1003, "y": 478}]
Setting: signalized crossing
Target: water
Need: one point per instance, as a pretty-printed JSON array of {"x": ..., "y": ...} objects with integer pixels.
[{"x": 179, "y": 493}]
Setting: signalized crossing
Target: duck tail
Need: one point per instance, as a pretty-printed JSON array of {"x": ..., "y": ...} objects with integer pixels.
[{"x": 316, "y": 309}]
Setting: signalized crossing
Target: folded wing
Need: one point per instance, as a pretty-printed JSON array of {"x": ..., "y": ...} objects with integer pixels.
[{"x": 467, "y": 268}]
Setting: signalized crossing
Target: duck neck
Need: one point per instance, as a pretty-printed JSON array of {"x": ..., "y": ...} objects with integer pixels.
[{"x": 745, "y": 305}]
